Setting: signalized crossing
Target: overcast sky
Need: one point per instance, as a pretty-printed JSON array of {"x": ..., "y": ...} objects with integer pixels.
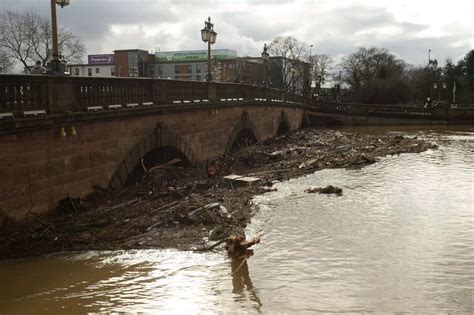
[{"x": 407, "y": 28}]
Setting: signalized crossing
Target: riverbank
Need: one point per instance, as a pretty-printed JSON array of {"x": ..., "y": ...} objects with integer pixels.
[{"x": 187, "y": 208}]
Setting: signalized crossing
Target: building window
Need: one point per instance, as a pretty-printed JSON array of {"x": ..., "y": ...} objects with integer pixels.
[
  {"x": 97, "y": 70},
  {"x": 89, "y": 72},
  {"x": 198, "y": 68},
  {"x": 152, "y": 72},
  {"x": 76, "y": 71},
  {"x": 198, "y": 78},
  {"x": 181, "y": 69},
  {"x": 112, "y": 71},
  {"x": 159, "y": 69}
]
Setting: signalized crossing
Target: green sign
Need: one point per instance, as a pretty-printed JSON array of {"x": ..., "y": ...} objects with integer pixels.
[{"x": 193, "y": 55}]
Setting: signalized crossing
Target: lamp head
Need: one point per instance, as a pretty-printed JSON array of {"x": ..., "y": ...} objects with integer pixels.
[
  {"x": 62, "y": 3},
  {"x": 205, "y": 34},
  {"x": 212, "y": 36}
]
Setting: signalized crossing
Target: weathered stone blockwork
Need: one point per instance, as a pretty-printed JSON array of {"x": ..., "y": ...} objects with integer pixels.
[{"x": 39, "y": 168}]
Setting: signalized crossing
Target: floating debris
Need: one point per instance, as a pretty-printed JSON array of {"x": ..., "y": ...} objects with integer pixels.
[{"x": 325, "y": 190}]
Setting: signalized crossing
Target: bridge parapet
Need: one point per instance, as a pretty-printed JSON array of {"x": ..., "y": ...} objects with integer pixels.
[
  {"x": 59, "y": 95},
  {"x": 54, "y": 95}
]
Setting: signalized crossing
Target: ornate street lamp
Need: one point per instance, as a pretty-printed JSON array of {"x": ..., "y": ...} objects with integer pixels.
[
  {"x": 265, "y": 58},
  {"x": 208, "y": 35},
  {"x": 55, "y": 62}
]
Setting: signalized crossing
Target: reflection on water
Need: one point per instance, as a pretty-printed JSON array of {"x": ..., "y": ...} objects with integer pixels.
[
  {"x": 399, "y": 239},
  {"x": 241, "y": 282},
  {"x": 130, "y": 281}
]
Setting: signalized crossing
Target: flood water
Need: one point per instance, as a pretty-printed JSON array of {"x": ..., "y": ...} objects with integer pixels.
[{"x": 399, "y": 239}]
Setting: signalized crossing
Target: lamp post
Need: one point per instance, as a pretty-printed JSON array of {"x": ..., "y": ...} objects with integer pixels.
[
  {"x": 55, "y": 62},
  {"x": 429, "y": 75},
  {"x": 208, "y": 35},
  {"x": 310, "y": 81},
  {"x": 265, "y": 57}
]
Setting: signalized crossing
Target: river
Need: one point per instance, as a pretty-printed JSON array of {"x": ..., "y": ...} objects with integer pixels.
[{"x": 399, "y": 239}]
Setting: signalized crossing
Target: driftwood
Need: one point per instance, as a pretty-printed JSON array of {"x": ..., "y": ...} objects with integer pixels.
[
  {"x": 86, "y": 226},
  {"x": 325, "y": 190},
  {"x": 237, "y": 246},
  {"x": 171, "y": 204},
  {"x": 143, "y": 166},
  {"x": 212, "y": 246},
  {"x": 174, "y": 161},
  {"x": 270, "y": 171},
  {"x": 123, "y": 204}
]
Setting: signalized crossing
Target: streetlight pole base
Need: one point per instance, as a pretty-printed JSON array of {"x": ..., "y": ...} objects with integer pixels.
[{"x": 56, "y": 67}]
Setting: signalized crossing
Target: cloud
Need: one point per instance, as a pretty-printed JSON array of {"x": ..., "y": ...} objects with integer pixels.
[{"x": 334, "y": 28}]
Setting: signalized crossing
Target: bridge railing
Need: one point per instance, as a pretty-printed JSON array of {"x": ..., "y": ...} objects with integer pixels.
[
  {"x": 57, "y": 95},
  {"x": 104, "y": 92},
  {"x": 379, "y": 110},
  {"x": 16, "y": 93}
]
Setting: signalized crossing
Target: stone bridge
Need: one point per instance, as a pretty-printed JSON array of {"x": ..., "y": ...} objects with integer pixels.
[{"x": 66, "y": 136}]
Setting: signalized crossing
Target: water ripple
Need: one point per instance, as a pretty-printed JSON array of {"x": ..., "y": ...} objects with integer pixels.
[{"x": 401, "y": 238}]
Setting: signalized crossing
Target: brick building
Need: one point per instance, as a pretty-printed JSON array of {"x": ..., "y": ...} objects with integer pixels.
[{"x": 192, "y": 64}]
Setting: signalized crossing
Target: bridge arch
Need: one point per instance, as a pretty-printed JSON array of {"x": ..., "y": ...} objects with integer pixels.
[
  {"x": 244, "y": 129},
  {"x": 283, "y": 124},
  {"x": 161, "y": 138}
]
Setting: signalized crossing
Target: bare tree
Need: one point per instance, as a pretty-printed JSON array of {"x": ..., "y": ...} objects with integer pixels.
[
  {"x": 243, "y": 70},
  {"x": 375, "y": 75},
  {"x": 14, "y": 36},
  {"x": 5, "y": 62},
  {"x": 292, "y": 54},
  {"x": 321, "y": 66},
  {"x": 26, "y": 37}
]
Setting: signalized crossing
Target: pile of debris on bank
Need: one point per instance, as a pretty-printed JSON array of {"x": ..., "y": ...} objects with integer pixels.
[{"x": 187, "y": 208}]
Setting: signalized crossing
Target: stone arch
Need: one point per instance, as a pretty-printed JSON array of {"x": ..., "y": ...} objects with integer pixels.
[
  {"x": 162, "y": 136},
  {"x": 283, "y": 124},
  {"x": 244, "y": 124}
]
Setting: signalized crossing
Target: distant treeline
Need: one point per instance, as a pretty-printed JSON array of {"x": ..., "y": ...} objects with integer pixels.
[{"x": 375, "y": 76}]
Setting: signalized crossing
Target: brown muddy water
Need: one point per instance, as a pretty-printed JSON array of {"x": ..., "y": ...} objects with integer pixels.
[{"x": 399, "y": 239}]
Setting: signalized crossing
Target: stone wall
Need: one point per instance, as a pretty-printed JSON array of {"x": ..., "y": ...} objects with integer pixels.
[{"x": 39, "y": 168}]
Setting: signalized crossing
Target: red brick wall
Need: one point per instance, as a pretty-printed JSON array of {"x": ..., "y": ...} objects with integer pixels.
[
  {"x": 121, "y": 63},
  {"x": 37, "y": 169}
]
